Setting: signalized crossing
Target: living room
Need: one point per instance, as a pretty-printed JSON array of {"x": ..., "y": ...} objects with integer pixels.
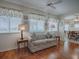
[{"x": 39, "y": 29}]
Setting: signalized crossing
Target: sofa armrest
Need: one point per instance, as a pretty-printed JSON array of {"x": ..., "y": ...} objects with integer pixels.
[{"x": 30, "y": 40}]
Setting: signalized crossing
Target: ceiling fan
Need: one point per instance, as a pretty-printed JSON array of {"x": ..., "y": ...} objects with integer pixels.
[{"x": 52, "y": 3}]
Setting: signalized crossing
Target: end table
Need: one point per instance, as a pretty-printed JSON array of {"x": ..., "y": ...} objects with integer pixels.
[{"x": 19, "y": 42}]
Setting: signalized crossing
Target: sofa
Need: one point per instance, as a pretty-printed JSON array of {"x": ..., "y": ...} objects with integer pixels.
[{"x": 41, "y": 41}]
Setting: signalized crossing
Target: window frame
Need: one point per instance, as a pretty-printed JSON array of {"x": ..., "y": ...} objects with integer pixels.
[{"x": 9, "y": 26}]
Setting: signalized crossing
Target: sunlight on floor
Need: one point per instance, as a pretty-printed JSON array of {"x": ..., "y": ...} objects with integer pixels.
[
  {"x": 53, "y": 56},
  {"x": 75, "y": 56},
  {"x": 66, "y": 46}
]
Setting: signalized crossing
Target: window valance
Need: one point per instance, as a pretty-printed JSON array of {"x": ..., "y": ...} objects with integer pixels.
[
  {"x": 38, "y": 17},
  {"x": 10, "y": 12}
]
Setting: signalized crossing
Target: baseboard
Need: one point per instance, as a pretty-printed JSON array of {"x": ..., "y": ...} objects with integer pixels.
[
  {"x": 4, "y": 50},
  {"x": 74, "y": 41}
]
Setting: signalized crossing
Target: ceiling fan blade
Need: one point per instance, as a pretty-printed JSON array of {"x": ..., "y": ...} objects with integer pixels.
[
  {"x": 51, "y": 3},
  {"x": 57, "y": 2},
  {"x": 53, "y": 6}
]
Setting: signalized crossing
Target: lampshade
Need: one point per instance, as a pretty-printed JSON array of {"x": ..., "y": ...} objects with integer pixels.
[{"x": 22, "y": 27}]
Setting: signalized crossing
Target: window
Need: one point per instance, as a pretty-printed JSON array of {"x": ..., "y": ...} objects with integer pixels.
[
  {"x": 66, "y": 27},
  {"x": 52, "y": 25},
  {"x": 4, "y": 24},
  {"x": 36, "y": 25},
  {"x": 9, "y": 20},
  {"x": 14, "y": 22},
  {"x": 76, "y": 26},
  {"x": 9, "y": 24},
  {"x": 40, "y": 24}
]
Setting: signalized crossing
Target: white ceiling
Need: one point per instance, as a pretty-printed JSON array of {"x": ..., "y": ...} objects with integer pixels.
[{"x": 64, "y": 8}]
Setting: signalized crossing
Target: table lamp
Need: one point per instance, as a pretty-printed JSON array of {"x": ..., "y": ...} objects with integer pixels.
[{"x": 22, "y": 28}]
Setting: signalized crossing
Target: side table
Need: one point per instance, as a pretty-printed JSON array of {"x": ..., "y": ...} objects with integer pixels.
[
  {"x": 58, "y": 40},
  {"x": 19, "y": 42}
]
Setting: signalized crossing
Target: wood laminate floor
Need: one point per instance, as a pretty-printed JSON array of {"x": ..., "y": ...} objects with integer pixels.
[{"x": 65, "y": 51}]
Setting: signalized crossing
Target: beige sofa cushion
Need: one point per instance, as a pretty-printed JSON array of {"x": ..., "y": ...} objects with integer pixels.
[{"x": 42, "y": 41}]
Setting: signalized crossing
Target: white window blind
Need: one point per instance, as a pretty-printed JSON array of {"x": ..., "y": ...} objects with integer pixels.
[
  {"x": 76, "y": 26},
  {"x": 9, "y": 20},
  {"x": 14, "y": 22},
  {"x": 66, "y": 27},
  {"x": 36, "y": 25},
  {"x": 52, "y": 25},
  {"x": 4, "y": 24}
]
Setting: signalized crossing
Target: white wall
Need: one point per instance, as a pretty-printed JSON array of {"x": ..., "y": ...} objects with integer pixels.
[
  {"x": 61, "y": 28},
  {"x": 8, "y": 40}
]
